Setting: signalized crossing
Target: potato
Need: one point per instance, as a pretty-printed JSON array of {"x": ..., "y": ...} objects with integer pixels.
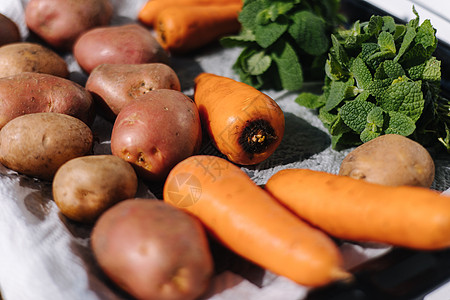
[
  {"x": 21, "y": 57},
  {"x": 114, "y": 85},
  {"x": 156, "y": 131},
  {"x": 9, "y": 31},
  {"x": 153, "y": 250},
  {"x": 84, "y": 187},
  {"x": 390, "y": 160},
  {"x": 60, "y": 23},
  {"x": 38, "y": 144},
  {"x": 30, "y": 92},
  {"x": 121, "y": 44}
]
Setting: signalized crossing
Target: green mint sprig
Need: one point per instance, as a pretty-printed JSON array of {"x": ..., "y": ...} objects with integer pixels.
[
  {"x": 283, "y": 41},
  {"x": 381, "y": 78}
]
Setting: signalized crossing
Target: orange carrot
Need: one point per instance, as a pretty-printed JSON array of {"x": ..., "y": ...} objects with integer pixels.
[
  {"x": 244, "y": 124},
  {"x": 182, "y": 29},
  {"x": 149, "y": 12},
  {"x": 352, "y": 209},
  {"x": 247, "y": 220}
]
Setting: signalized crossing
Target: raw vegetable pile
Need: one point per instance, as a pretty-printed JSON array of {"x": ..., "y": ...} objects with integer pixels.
[
  {"x": 381, "y": 85},
  {"x": 381, "y": 78}
]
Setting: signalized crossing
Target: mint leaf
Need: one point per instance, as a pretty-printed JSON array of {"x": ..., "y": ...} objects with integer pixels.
[
  {"x": 327, "y": 118},
  {"x": 386, "y": 42},
  {"x": 339, "y": 127},
  {"x": 339, "y": 52},
  {"x": 354, "y": 114},
  {"x": 352, "y": 38},
  {"x": 266, "y": 35},
  {"x": 367, "y": 50},
  {"x": 389, "y": 24},
  {"x": 249, "y": 14},
  {"x": 242, "y": 61},
  {"x": 258, "y": 63},
  {"x": 407, "y": 40},
  {"x": 345, "y": 140},
  {"x": 309, "y": 32},
  {"x": 279, "y": 8},
  {"x": 400, "y": 31},
  {"x": 432, "y": 70},
  {"x": 426, "y": 36},
  {"x": 337, "y": 94},
  {"x": 377, "y": 88},
  {"x": 414, "y": 22},
  {"x": 416, "y": 72},
  {"x": 416, "y": 55},
  {"x": 334, "y": 70},
  {"x": 374, "y": 26},
  {"x": 310, "y": 100},
  {"x": 244, "y": 38},
  {"x": 400, "y": 124},
  {"x": 242, "y": 67},
  {"x": 363, "y": 96},
  {"x": 361, "y": 73},
  {"x": 288, "y": 66},
  {"x": 374, "y": 60},
  {"x": 367, "y": 135},
  {"x": 393, "y": 69},
  {"x": 374, "y": 125},
  {"x": 405, "y": 97},
  {"x": 376, "y": 117}
]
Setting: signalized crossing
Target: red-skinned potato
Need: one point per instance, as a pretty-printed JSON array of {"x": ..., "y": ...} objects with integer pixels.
[
  {"x": 156, "y": 131},
  {"x": 9, "y": 32},
  {"x": 121, "y": 44},
  {"x": 114, "y": 85},
  {"x": 60, "y": 23},
  {"x": 153, "y": 250},
  {"x": 31, "y": 92}
]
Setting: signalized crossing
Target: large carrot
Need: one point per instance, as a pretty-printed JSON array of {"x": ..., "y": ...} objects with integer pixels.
[
  {"x": 149, "y": 12},
  {"x": 250, "y": 222},
  {"x": 353, "y": 209},
  {"x": 182, "y": 29},
  {"x": 245, "y": 124}
]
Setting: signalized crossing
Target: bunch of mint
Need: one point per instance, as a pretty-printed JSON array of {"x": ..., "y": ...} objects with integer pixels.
[
  {"x": 284, "y": 41},
  {"x": 381, "y": 78}
]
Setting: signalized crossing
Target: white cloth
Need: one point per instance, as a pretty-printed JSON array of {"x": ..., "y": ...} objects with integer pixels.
[{"x": 44, "y": 257}]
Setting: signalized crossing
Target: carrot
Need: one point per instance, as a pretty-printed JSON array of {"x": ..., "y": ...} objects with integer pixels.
[
  {"x": 248, "y": 221},
  {"x": 245, "y": 124},
  {"x": 149, "y": 12},
  {"x": 182, "y": 29},
  {"x": 352, "y": 209}
]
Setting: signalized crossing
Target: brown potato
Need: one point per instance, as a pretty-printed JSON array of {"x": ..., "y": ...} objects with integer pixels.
[
  {"x": 121, "y": 44},
  {"x": 21, "y": 57},
  {"x": 114, "y": 85},
  {"x": 60, "y": 23},
  {"x": 153, "y": 250},
  {"x": 84, "y": 187},
  {"x": 156, "y": 131},
  {"x": 390, "y": 160},
  {"x": 30, "y": 92},
  {"x": 9, "y": 32},
  {"x": 38, "y": 144}
]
